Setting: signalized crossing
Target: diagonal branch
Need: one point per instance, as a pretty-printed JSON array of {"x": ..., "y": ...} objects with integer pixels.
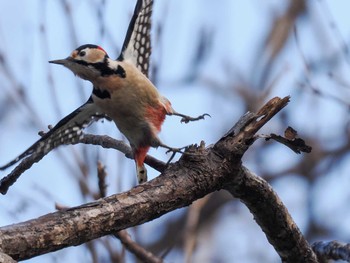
[
  {"x": 101, "y": 140},
  {"x": 273, "y": 217},
  {"x": 141, "y": 253},
  {"x": 110, "y": 143},
  {"x": 332, "y": 250},
  {"x": 195, "y": 175}
]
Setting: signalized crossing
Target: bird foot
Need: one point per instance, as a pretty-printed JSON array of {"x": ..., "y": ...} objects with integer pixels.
[
  {"x": 173, "y": 150},
  {"x": 187, "y": 119}
]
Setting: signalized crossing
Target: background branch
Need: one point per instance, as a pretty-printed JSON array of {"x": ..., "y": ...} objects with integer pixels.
[
  {"x": 140, "y": 252},
  {"x": 332, "y": 250}
]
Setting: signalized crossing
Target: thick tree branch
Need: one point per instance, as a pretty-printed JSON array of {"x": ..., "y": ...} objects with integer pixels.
[
  {"x": 272, "y": 216},
  {"x": 199, "y": 172},
  {"x": 6, "y": 259}
]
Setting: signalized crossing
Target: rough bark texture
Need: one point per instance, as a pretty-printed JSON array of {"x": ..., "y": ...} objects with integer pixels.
[
  {"x": 274, "y": 220},
  {"x": 6, "y": 259},
  {"x": 197, "y": 173}
]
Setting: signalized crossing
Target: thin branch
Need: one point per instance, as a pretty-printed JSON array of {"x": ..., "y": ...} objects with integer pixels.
[
  {"x": 101, "y": 175},
  {"x": 192, "y": 227},
  {"x": 110, "y": 143},
  {"x": 101, "y": 140},
  {"x": 332, "y": 250},
  {"x": 141, "y": 253},
  {"x": 277, "y": 38}
]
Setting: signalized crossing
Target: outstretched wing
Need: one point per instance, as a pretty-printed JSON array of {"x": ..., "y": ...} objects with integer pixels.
[
  {"x": 137, "y": 43},
  {"x": 67, "y": 131}
]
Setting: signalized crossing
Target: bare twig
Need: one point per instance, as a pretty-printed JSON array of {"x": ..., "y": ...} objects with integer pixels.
[
  {"x": 291, "y": 140},
  {"x": 191, "y": 227},
  {"x": 141, "y": 253},
  {"x": 104, "y": 141},
  {"x": 332, "y": 250},
  {"x": 110, "y": 143},
  {"x": 278, "y": 36},
  {"x": 101, "y": 175}
]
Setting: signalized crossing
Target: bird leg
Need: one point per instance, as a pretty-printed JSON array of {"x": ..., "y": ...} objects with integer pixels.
[
  {"x": 187, "y": 119},
  {"x": 173, "y": 150}
]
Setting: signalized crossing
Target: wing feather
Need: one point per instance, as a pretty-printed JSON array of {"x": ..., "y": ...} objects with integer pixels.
[
  {"x": 66, "y": 131},
  {"x": 137, "y": 43}
]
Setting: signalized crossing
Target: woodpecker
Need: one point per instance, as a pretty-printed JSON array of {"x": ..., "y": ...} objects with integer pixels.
[{"x": 121, "y": 92}]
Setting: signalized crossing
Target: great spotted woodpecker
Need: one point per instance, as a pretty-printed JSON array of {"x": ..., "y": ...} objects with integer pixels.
[{"x": 121, "y": 92}]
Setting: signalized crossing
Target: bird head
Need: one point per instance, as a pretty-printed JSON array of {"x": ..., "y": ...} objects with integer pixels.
[{"x": 87, "y": 62}]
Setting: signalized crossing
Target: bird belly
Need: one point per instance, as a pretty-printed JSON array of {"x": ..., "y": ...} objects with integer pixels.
[
  {"x": 134, "y": 104},
  {"x": 130, "y": 116}
]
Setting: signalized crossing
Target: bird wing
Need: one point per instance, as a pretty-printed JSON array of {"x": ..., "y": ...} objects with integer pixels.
[
  {"x": 137, "y": 43},
  {"x": 66, "y": 131}
]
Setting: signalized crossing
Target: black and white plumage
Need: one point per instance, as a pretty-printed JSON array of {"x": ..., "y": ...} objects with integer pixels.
[
  {"x": 66, "y": 131},
  {"x": 136, "y": 49},
  {"x": 137, "y": 43}
]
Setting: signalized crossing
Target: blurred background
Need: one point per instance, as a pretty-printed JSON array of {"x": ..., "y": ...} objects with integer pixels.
[{"x": 220, "y": 57}]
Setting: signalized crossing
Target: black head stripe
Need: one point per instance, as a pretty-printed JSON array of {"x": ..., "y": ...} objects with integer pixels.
[
  {"x": 107, "y": 71},
  {"x": 120, "y": 71},
  {"x": 102, "y": 94},
  {"x": 91, "y": 46},
  {"x": 86, "y": 46},
  {"x": 82, "y": 62},
  {"x": 104, "y": 68}
]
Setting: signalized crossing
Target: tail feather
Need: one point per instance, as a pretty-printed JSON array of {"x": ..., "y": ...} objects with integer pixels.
[
  {"x": 141, "y": 173},
  {"x": 139, "y": 156}
]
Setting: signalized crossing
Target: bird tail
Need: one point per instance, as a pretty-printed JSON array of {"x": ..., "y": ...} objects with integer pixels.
[
  {"x": 139, "y": 156},
  {"x": 141, "y": 173}
]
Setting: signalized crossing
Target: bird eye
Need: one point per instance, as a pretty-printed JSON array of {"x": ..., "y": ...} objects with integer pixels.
[{"x": 82, "y": 53}]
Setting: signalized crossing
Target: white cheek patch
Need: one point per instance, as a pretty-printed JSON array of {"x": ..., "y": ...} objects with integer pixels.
[{"x": 94, "y": 56}]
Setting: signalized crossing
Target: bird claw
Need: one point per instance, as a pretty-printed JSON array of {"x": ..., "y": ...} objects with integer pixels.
[
  {"x": 174, "y": 151},
  {"x": 187, "y": 119}
]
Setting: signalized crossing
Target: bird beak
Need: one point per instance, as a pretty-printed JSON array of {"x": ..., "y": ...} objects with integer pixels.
[{"x": 62, "y": 61}]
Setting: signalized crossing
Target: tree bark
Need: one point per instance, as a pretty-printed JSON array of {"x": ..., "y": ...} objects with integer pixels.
[
  {"x": 199, "y": 172},
  {"x": 6, "y": 259}
]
